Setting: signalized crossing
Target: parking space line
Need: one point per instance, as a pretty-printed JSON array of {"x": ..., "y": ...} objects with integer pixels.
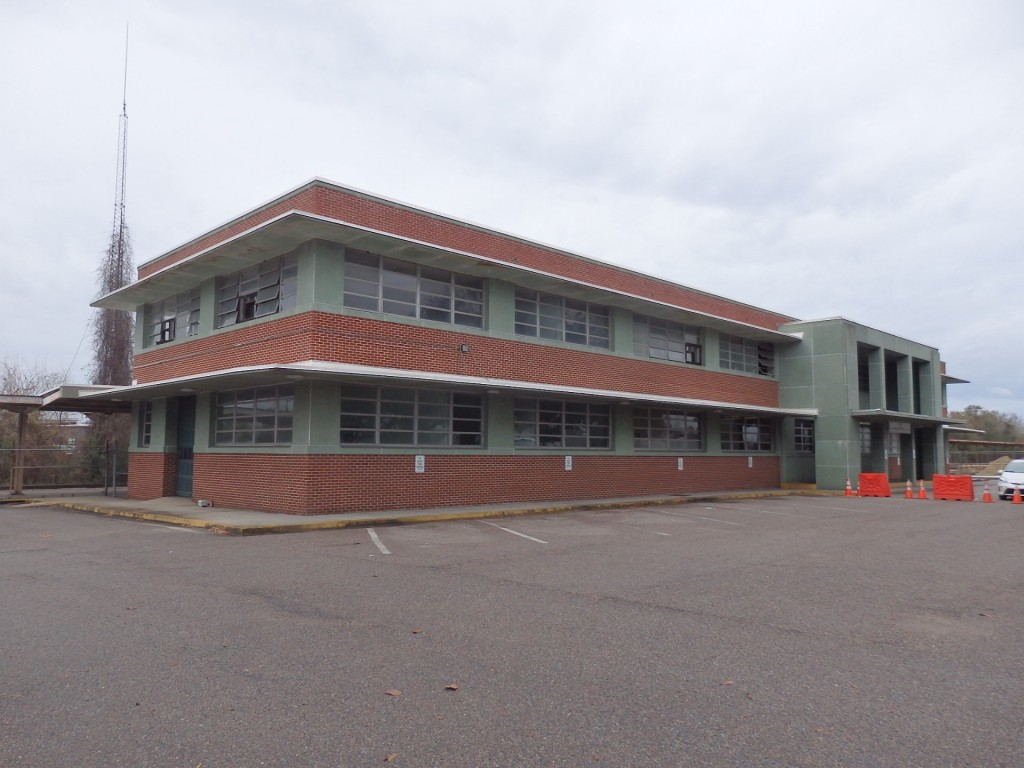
[
  {"x": 376, "y": 540},
  {"x": 698, "y": 517},
  {"x": 515, "y": 533},
  {"x": 641, "y": 528}
]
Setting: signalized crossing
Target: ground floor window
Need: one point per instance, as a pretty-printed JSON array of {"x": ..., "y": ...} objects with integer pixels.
[
  {"x": 259, "y": 416},
  {"x": 803, "y": 435},
  {"x": 561, "y": 424},
  {"x": 747, "y": 433},
  {"x": 865, "y": 439},
  {"x": 145, "y": 424},
  {"x": 372, "y": 415},
  {"x": 665, "y": 430}
]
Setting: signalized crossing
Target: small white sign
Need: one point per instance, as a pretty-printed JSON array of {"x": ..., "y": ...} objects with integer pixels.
[
  {"x": 679, "y": 464},
  {"x": 750, "y": 462},
  {"x": 421, "y": 464},
  {"x": 568, "y": 463}
]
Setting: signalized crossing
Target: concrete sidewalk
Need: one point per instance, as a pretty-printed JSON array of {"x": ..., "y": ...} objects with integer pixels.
[{"x": 173, "y": 510}]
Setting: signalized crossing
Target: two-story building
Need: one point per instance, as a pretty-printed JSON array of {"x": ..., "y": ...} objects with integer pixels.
[{"x": 332, "y": 350}]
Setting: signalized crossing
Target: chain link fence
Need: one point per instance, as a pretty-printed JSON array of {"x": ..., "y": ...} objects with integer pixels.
[{"x": 54, "y": 468}]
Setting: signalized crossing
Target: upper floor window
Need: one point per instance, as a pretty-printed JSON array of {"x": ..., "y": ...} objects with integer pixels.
[
  {"x": 561, "y": 424},
  {"x": 547, "y": 316},
  {"x": 373, "y": 415},
  {"x": 665, "y": 340},
  {"x": 393, "y": 287},
  {"x": 739, "y": 354},
  {"x": 747, "y": 433},
  {"x": 172, "y": 318},
  {"x": 260, "y": 416},
  {"x": 661, "y": 429},
  {"x": 803, "y": 435},
  {"x": 259, "y": 291}
]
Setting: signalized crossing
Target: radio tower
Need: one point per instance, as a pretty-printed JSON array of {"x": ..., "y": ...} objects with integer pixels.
[{"x": 112, "y": 328}]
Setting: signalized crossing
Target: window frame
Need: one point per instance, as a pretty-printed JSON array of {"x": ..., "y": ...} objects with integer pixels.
[
  {"x": 386, "y": 286},
  {"x": 163, "y": 318},
  {"x": 644, "y": 429},
  {"x": 145, "y": 434},
  {"x": 736, "y": 433},
  {"x": 536, "y": 419},
  {"x": 676, "y": 339},
  {"x": 736, "y": 353},
  {"x": 551, "y": 317},
  {"x": 234, "y": 423},
  {"x": 258, "y": 291},
  {"x": 384, "y": 413},
  {"x": 803, "y": 436}
]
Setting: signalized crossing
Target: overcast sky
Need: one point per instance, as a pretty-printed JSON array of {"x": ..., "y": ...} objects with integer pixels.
[{"x": 860, "y": 158}]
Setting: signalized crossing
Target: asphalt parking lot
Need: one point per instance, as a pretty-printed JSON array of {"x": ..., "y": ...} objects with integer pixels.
[{"x": 794, "y": 631}]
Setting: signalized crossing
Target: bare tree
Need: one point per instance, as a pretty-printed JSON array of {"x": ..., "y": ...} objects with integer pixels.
[{"x": 113, "y": 328}]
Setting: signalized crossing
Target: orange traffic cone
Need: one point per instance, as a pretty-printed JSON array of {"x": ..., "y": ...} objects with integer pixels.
[
  {"x": 909, "y": 492},
  {"x": 986, "y": 496},
  {"x": 921, "y": 493},
  {"x": 849, "y": 488},
  {"x": 1016, "y": 496}
]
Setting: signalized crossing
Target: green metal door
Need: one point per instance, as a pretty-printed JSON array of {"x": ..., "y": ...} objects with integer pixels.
[{"x": 186, "y": 429}]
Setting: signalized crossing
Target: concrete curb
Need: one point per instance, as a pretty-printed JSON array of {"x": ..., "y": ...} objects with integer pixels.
[{"x": 409, "y": 518}]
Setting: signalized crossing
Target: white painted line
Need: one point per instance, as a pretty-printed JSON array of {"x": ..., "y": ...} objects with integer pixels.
[
  {"x": 515, "y": 533},
  {"x": 698, "y": 517},
  {"x": 640, "y": 528},
  {"x": 376, "y": 540}
]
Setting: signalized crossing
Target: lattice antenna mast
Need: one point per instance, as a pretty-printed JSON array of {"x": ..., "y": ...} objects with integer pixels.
[
  {"x": 119, "y": 234},
  {"x": 113, "y": 328}
]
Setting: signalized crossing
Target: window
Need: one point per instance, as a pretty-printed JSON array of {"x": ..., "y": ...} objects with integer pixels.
[
  {"x": 561, "y": 424},
  {"x": 865, "y": 439},
  {"x": 176, "y": 317},
  {"x": 665, "y": 340},
  {"x": 546, "y": 316},
  {"x": 260, "y": 416},
  {"x": 803, "y": 435},
  {"x": 747, "y": 433},
  {"x": 663, "y": 430},
  {"x": 739, "y": 354},
  {"x": 393, "y": 287},
  {"x": 145, "y": 424},
  {"x": 373, "y": 415},
  {"x": 259, "y": 291}
]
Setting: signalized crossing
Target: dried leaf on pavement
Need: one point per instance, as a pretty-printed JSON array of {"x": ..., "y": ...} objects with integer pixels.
[{"x": 393, "y": 692}]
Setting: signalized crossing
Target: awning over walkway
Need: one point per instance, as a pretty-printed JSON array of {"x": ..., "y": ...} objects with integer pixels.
[
  {"x": 252, "y": 376},
  {"x": 914, "y": 419}
]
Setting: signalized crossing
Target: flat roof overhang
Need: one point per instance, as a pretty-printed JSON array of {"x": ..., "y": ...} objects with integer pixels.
[
  {"x": 915, "y": 419},
  {"x": 252, "y": 376},
  {"x": 286, "y": 232},
  {"x": 68, "y": 398}
]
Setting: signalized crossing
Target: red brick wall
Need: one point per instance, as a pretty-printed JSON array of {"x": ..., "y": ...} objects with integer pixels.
[
  {"x": 150, "y": 475},
  {"x": 355, "y": 208},
  {"x": 345, "y": 483},
  {"x": 342, "y": 338}
]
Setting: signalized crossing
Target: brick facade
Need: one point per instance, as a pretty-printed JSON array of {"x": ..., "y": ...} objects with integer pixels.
[
  {"x": 151, "y": 475},
  {"x": 345, "y": 339},
  {"x": 341, "y": 204},
  {"x": 346, "y": 483}
]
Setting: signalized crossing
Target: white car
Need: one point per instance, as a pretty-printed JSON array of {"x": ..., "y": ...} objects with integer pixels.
[{"x": 1012, "y": 477}]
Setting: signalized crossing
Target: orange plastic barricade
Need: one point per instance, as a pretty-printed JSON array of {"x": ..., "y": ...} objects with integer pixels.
[
  {"x": 873, "y": 484},
  {"x": 952, "y": 488}
]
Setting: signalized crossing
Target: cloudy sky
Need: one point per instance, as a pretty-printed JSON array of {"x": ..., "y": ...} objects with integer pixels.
[{"x": 862, "y": 158}]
